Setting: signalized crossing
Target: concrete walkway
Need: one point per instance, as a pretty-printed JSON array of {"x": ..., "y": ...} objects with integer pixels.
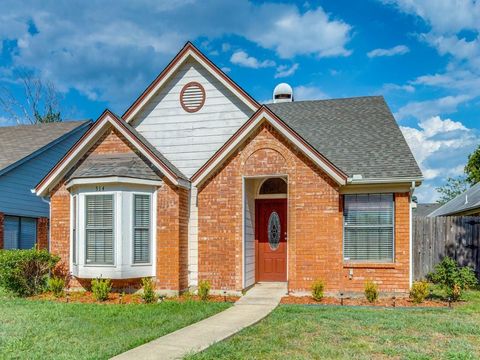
[{"x": 250, "y": 309}]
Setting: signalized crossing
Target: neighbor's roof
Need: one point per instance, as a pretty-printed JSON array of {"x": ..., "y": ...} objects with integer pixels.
[
  {"x": 467, "y": 201},
  {"x": 104, "y": 165},
  {"x": 18, "y": 142},
  {"x": 422, "y": 210},
  {"x": 358, "y": 135}
]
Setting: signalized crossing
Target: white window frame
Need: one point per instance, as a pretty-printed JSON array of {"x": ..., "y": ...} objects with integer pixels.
[
  {"x": 150, "y": 228},
  {"x": 74, "y": 229},
  {"x": 370, "y": 261}
]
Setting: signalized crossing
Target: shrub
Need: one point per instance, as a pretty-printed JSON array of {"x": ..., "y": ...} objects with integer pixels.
[
  {"x": 204, "y": 289},
  {"x": 148, "y": 295},
  {"x": 371, "y": 291},
  {"x": 101, "y": 289},
  {"x": 56, "y": 286},
  {"x": 317, "y": 290},
  {"x": 453, "y": 278},
  {"x": 419, "y": 291},
  {"x": 25, "y": 272}
]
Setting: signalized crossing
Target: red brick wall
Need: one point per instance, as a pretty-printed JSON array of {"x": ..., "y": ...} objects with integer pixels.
[
  {"x": 172, "y": 238},
  {"x": 314, "y": 221},
  {"x": 172, "y": 223},
  {"x": 2, "y": 217},
  {"x": 42, "y": 233}
]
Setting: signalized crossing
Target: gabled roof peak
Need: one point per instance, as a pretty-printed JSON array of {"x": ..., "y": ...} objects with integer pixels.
[{"x": 188, "y": 50}]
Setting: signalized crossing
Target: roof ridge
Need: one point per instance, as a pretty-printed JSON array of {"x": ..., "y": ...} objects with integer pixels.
[
  {"x": 63, "y": 122},
  {"x": 332, "y": 99}
]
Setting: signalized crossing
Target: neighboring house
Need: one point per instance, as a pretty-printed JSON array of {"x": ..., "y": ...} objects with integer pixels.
[
  {"x": 467, "y": 203},
  {"x": 198, "y": 181},
  {"x": 422, "y": 210},
  {"x": 27, "y": 153}
]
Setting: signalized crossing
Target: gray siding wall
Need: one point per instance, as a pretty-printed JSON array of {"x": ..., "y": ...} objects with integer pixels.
[{"x": 15, "y": 195}]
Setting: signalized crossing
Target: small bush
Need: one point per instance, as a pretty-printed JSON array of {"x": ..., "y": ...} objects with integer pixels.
[
  {"x": 148, "y": 295},
  {"x": 371, "y": 291},
  {"x": 25, "y": 272},
  {"x": 452, "y": 278},
  {"x": 317, "y": 290},
  {"x": 204, "y": 289},
  {"x": 419, "y": 291},
  {"x": 56, "y": 286},
  {"x": 101, "y": 289}
]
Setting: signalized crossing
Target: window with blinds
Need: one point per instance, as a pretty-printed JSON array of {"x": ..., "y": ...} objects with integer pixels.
[
  {"x": 99, "y": 229},
  {"x": 368, "y": 227},
  {"x": 141, "y": 228},
  {"x": 20, "y": 232}
]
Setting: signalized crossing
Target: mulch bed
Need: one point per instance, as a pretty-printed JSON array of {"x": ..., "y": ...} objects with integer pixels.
[
  {"x": 86, "y": 297},
  {"x": 383, "y": 302}
]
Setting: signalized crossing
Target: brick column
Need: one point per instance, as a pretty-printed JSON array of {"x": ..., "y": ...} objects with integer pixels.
[
  {"x": 42, "y": 233},
  {"x": 2, "y": 217}
]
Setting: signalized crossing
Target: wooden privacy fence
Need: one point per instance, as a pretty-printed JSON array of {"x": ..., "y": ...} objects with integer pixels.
[{"x": 437, "y": 237}]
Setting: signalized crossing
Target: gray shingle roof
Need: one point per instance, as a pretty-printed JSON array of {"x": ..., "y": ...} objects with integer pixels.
[
  {"x": 103, "y": 165},
  {"x": 358, "y": 135},
  {"x": 425, "y": 209},
  {"x": 18, "y": 142},
  {"x": 467, "y": 201}
]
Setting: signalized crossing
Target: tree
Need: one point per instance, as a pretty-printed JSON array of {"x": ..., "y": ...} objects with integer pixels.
[
  {"x": 472, "y": 169},
  {"x": 40, "y": 103},
  {"x": 452, "y": 188}
]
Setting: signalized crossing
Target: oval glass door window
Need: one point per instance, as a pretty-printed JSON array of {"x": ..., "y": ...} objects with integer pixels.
[{"x": 274, "y": 231}]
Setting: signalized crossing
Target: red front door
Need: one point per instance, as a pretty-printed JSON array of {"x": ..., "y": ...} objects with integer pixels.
[{"x": 271, "y": 239}]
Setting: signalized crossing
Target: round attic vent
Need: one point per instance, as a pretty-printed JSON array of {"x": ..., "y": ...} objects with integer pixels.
[{"x": 192, "y": 97}]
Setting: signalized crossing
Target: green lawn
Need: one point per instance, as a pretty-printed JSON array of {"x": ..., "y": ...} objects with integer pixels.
[
  {"x": 314, "y": 332},
  {"x": 49, "y": 330}
]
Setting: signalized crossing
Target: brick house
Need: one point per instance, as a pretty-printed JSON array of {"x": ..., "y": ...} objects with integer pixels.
[{"x": 198, "y": 181}]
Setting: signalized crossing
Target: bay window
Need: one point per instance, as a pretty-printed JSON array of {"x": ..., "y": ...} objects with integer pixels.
[
  {"x": 112, "y": 231},
  {"x": 368, "y": 227}
]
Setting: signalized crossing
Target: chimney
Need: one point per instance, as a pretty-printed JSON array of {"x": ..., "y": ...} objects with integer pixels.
[{"x": 282, "y": 93}]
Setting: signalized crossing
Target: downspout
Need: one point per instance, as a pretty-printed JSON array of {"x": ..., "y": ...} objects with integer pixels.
[{"x": 412, "y": 189}]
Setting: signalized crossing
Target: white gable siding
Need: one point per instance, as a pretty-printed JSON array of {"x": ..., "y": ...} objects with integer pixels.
[
  {"x": 188, "y": 140},
  {"x": 15, "y": 195}
]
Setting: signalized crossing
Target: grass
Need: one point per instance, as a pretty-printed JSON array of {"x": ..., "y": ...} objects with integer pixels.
[
  {"x": 313, "y": 332},
  {"x": 32, "y": 329}
]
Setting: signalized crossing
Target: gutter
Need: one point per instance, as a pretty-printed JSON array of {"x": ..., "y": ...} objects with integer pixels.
[{"x": 360, "y": 180}]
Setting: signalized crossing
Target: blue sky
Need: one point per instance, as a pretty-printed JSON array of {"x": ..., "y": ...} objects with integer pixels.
[{"x": 422, "y": 55}]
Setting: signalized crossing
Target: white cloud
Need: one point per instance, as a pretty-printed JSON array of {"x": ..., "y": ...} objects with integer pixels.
[
  {"x": 285, "y": 70},
  {"x": 292, "y": 33},
  {"x": 121, "y": 50},
  {"x": 396, "y": 50},
  {"x": 303, "y": 92},
  {"x": 395, "y": 87},
  {"x": 226, "y": 47},
  {"x": 241, "y": 58},
  {"x": 226, "y": 69},
  {"x": 447, "y": 21},
  {"x": 424, "y": 109},
  {"x": 443, "y": 15},
  {"x": 441, "y": 147}
]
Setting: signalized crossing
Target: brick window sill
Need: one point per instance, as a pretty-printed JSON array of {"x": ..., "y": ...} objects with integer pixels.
[{"x": 360, "y": 265}]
